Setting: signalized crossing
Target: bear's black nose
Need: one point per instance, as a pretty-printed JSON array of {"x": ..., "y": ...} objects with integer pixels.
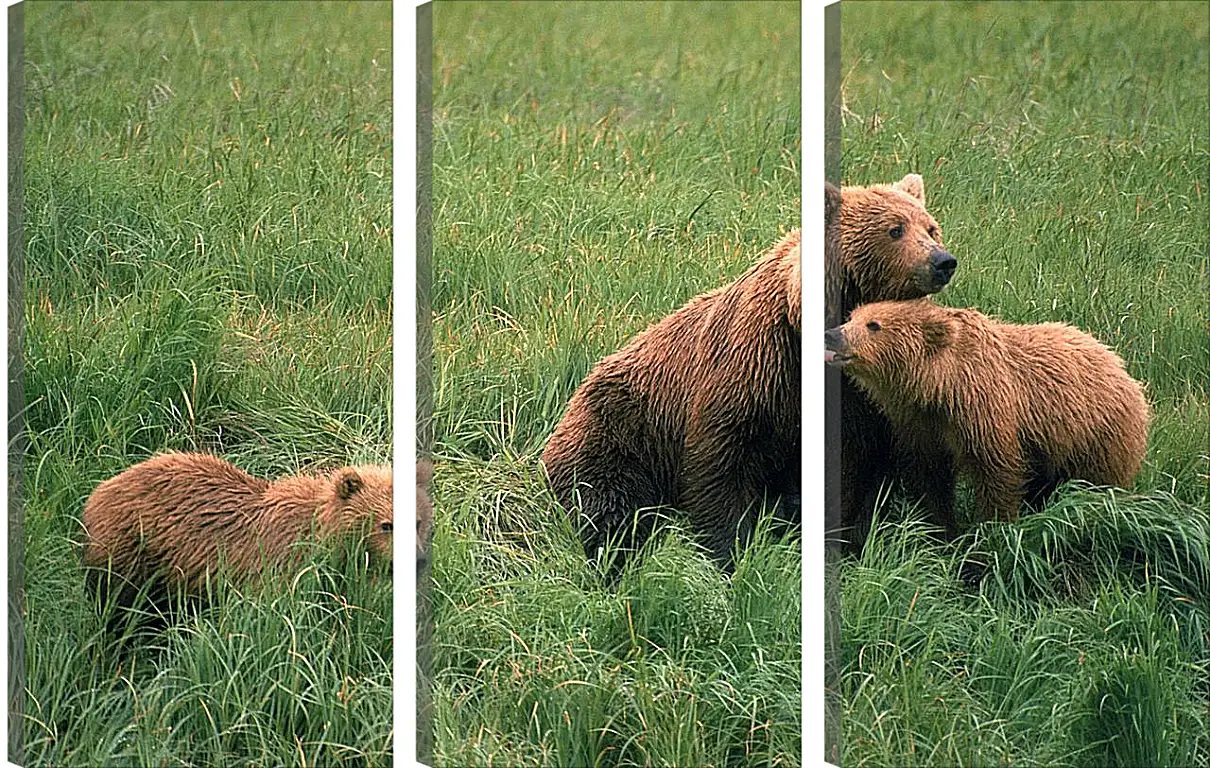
[
  {"x": 832, "y": 339},
  {"x": 943, "y": 265}
]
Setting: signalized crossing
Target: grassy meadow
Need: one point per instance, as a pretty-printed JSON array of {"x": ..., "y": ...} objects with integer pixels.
[
  {"x": 207, "y": 222},
  {"x": 595, "y": 165},
  {"x": 1065, "y": 154}
]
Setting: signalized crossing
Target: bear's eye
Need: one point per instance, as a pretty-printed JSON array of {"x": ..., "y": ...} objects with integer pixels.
[
  {"x": 933, "y": 232},
  {"x": 386, "y": 527},
  {"x": 874, "y": 325},
  {"x": 896, "y": 232}
]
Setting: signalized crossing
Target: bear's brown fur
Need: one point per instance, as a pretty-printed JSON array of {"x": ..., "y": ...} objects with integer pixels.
[
  {"x": 700, "y": 412},
  {"x": 424, "y": 510},
  {"x": 1020, "y": 407},
  {"x": 176, "y": 516},
  {"x": 881, "y": 243}
]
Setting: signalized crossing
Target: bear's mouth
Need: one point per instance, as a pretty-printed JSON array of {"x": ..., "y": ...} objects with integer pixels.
[{"x": 834, "y": 358}]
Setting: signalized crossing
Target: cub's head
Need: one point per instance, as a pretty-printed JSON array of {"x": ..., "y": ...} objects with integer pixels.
[
  {"x": 890, "y": 243},
  {"x": 888, "y": 342},
  {"x": 362, "y": 496}
]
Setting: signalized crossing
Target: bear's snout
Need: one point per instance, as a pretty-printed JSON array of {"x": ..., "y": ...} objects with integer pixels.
[
  {"x": 943, "y": 266},
  {"x": 834, "y": 346}
]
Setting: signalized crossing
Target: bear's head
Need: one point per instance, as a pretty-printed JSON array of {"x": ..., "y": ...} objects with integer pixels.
[
  {"x": 890, "y": 244},
  {"x": 886, "y": 343},
  {"x": 361, "y": 497}
]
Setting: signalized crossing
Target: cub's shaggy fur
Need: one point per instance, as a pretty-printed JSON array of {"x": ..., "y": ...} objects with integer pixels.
[
  {"x": 700, "y": 412},
  {"x": 176, "y": 516},
  {"x": 1020, "y": 407}
]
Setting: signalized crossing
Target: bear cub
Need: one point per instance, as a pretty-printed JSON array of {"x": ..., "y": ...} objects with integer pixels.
[
  {"x": 424, "y": 512},
  {"x": 176, "y": 516},
  {"x": 1021, "y": 408}
]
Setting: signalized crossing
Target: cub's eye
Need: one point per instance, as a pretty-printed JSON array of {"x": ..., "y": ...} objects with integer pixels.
[
  {"x": 933, "y": 232},
  {"x": 896, "y": 232},
  {"x": 874, "y": 325},
  {"x": 386, "y": 527}
]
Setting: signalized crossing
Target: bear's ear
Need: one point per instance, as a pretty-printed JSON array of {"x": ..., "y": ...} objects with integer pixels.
[
  {"x": 912, "y": 184},
  {"x": 348, "y": 482},
  {"x": 938, "y": 334}
]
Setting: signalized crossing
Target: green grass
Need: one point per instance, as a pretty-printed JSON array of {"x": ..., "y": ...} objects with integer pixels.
[
  {"x": 540, "y": 660},
  {"x": 207, "y": 220},
  {"x": 1084, "y": 643},
  {"x": 1064, "y": 149},
  {"x": 590, "y": 176}
]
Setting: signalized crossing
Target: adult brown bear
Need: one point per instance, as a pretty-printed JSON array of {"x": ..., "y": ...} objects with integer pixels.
[
  {"x": 880, "y": 243},
  {"x": 700, "y": 412}
]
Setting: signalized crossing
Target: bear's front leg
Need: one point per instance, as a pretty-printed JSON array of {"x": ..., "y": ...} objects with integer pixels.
[
  {"x": 928, "y": 475},
  {"x": 868, "y": 457},
  {"x": 614, "y": 506},
  {"x": 999, "y": 475}
]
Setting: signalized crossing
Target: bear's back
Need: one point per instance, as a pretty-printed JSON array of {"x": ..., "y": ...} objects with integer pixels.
[{"x": 167, "y": 485}]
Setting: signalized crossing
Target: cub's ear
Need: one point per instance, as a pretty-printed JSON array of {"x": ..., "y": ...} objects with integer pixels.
[
  {"x": 831, "y": 204},
  {"x": 938, "y": 334},
  {"x": 912, "y": 184},
  {"x": 348, "y": 482}
]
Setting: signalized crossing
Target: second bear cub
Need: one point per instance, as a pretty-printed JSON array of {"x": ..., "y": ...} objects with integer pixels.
[
  {"x": 178, "y": 515},
  {"x": 1021, "y": 408}
]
